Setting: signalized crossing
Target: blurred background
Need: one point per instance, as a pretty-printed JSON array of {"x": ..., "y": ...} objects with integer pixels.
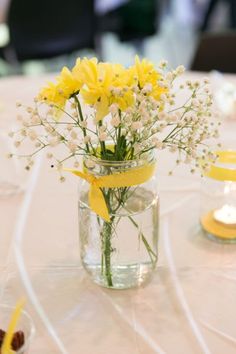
[{"x": 42, "y": 36}]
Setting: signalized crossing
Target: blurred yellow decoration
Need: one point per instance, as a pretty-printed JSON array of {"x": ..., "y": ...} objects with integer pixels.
[
  {"x": 6, "y": 347},
  {"x": 223, "y": 173},
  {"x": 219, "y": 221}
]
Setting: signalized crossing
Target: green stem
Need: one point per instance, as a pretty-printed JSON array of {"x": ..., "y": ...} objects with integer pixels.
[
  {"x": 152, "y": 254},
  {"x": 106, "y": 236},
  {"x": 107, "y": 250},
  {"x": 117, "y": 146},
  {"x": 82, "y": 119},
  {"x": 103, "y": 146}
]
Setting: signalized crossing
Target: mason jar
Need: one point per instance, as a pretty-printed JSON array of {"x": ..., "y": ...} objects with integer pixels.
[{"x": 120, "y": 252}]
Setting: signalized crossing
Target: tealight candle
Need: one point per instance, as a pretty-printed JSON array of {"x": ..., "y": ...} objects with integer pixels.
[{"x": 226, "y": 215}]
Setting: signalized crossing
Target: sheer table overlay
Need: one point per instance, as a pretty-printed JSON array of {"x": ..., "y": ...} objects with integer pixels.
[{"x": 187, "y": 308}]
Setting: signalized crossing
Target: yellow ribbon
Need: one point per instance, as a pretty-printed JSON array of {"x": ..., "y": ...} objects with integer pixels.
[
  {"x": 221, "y": 173},
  {"x": 130, "y": 178}
]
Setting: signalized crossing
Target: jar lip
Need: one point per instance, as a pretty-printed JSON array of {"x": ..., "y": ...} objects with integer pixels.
[{"x": 149, "y": 155}]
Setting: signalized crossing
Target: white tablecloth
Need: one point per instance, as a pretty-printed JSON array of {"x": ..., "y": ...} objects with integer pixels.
[{"x": 187, "y": 308}]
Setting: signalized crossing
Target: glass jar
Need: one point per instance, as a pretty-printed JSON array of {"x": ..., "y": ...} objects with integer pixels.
[
  {"x": 122, "y": 252},
  {"x": 218, "y": 215}
]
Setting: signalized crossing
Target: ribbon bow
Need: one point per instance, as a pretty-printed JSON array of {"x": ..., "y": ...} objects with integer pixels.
[{"x": 130, "y": 178}]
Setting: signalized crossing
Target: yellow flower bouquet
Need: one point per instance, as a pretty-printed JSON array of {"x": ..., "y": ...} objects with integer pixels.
[{"x": 116, "y": 117}]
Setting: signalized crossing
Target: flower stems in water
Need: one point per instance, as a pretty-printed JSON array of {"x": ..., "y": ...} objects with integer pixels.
[
  {"x": 152, "y": 254},
  {"x": 107, "y": 250}
]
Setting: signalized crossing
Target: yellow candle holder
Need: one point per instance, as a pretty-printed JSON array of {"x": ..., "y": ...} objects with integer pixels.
[{"x": 218, "y": 217}]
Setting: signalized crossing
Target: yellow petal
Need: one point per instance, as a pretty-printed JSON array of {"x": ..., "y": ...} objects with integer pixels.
[{"x": 89, "y": 70}]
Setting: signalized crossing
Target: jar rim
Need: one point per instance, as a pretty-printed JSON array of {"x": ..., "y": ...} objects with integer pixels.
[{"x": 148, "y": 156}]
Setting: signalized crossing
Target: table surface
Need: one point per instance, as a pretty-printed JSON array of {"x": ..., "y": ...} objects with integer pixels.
[{"x": 187, "y": 308}]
